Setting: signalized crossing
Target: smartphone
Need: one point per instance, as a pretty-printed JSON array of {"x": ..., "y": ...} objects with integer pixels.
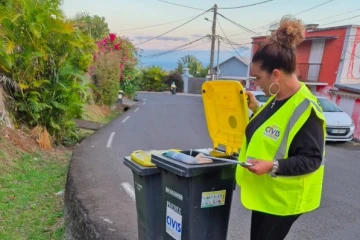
[{"x": 246, "y": 164}]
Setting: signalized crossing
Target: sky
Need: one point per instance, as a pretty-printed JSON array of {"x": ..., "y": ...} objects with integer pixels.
[{"x": 122, "y": 15}]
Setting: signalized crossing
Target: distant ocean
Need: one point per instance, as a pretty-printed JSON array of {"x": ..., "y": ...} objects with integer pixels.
[{"x": 169, "y": 61}]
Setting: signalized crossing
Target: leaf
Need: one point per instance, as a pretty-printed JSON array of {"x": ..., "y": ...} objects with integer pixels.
[
  {"x": 23, "y": 86},
  {"x": 39, "y": 83},
  {"x": 10, "y": 47}
]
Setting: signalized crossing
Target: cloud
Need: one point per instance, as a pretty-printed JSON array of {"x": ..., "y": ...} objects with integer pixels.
[
  {"x": 163, "y": 38},
  {"x": 197, "y": 35}
]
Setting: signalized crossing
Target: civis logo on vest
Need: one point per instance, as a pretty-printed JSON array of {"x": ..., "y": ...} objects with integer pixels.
[{"x": 272, "y": 132}]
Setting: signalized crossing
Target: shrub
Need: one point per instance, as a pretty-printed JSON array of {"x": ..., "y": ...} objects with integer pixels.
[
  {"x": 46, "y": 58},
  {"x": 152, "y": 79},
  {"x": 175, "y": 77}
]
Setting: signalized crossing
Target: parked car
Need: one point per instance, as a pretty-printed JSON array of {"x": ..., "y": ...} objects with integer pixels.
[{"x": 339, "y": 125}]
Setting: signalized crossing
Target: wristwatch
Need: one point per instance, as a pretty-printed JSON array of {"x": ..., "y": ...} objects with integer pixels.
[{"x": 275, "y": 168}]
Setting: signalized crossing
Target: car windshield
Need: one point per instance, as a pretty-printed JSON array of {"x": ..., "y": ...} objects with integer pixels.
[
  {"x": 261, "y": 98},
  {"x": 328, "y": 105}
]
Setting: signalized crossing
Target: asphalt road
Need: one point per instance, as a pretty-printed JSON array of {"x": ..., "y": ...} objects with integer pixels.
[{"x": 163, "y": 121}]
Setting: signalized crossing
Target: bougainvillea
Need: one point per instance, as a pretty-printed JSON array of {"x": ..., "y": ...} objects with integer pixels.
[
  {"x": 113, "y": 52},
  {"x": 128, "y": 53}
]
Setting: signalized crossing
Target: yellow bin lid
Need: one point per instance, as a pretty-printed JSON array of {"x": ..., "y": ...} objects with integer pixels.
[
  {"x": 226, "y": 112},
  {"x": 144, "y": 157}
]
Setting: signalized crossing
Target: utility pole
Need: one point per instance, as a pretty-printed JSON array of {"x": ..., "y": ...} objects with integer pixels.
[
  {"x": 218, "y": 53},
  {"x": 213, "y": 43}
]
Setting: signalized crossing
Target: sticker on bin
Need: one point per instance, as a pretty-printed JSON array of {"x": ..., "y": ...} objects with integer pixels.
[
  {"x": 213, "y": 199},
  {"x": 173, "y": 221}
]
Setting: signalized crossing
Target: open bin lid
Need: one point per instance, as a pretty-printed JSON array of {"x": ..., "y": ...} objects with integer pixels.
[{"x": 226, "y": 111}]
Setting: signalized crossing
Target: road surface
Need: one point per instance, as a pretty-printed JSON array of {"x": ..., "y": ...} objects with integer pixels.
[{"x": 163, "y": 121}]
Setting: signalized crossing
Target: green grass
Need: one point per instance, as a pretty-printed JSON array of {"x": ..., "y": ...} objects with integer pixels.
[
  {"x": 100, "y": 114},
  {"x": 29, "y": 206}
]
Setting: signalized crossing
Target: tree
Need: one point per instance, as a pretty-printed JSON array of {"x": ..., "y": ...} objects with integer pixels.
[
  {"x": 46, "y": 58},
  {"x": 193, "y": 63},
  {"x": 95, "y": 26}
]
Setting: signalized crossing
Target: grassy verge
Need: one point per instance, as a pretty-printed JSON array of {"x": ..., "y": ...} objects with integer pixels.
[
  {"x": 29, "y": 205},
  {"x": 31, "y": 185},
  {"x": 95, "y": 113},
  {"x": 99, "y": 114}
]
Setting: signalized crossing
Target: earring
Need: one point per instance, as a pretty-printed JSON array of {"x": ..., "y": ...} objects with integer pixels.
[{"x": 273, "y": 94}]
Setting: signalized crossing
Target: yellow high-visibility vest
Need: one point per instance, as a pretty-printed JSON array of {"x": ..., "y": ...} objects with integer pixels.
[{"x": 281, "y": 195}]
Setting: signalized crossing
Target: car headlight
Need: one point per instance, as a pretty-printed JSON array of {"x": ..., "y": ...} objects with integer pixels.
[{"x": 352, "y": 124}]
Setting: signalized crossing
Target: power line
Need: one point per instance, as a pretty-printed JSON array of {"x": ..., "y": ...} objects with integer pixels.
[
  {"x": 178, "y": 47},
  {"x": 345, "y": 50},
  {"x": 161, "y": 24},
  {"x": 309, "y": 9},
  {"x": 173, "y": 28},
  {"x": 172, "y": 51},
  {"x": 247, "y": 29},
  {"x": 341, "y": 20},
  {"x": 230, "y": 42},
  {"x": 237, "y": 44},
  {"x": 335, "y": 15},
  {"x": 181, "y": 5},
  {"x": 314, "y": 7},
  {"x": 244, "y": 6}
]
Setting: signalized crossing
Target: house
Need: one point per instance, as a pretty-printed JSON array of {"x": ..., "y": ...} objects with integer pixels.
[
  {"x": 328, "y": 62},
  {"x": 327, "y": 56},
  {"x": 233, "y": 67}
]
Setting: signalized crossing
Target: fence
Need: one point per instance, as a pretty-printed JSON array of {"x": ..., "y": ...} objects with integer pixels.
[{"x": 195, "y": 84}]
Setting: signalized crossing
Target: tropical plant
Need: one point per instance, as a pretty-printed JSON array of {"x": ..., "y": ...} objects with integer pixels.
[
  {"x": 95, "y": 26},
  {"x": 193, "y": 63},
  {"x": 106, "y": 78},
  {"x": 129, "y": 83},
  {"x": 114, "y": 68},
  {"x": 46, "y": 59},
  {"x": 152, "y": 79}
]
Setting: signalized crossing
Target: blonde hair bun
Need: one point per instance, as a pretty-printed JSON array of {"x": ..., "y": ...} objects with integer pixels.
[{"x": 290, "y": 32}]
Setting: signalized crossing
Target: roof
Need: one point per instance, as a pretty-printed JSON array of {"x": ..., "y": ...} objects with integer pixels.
[
  {"x": 321, "y": 29},
  {"x": 236, "y": 57},
  {"x": 306, "y": 38},
  {"x": 349, "y": 87}
]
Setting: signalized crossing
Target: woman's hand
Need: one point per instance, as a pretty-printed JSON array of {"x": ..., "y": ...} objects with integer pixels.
[
  {"x": 253, "y": 103},
  {"x": 260, "y": 167}
]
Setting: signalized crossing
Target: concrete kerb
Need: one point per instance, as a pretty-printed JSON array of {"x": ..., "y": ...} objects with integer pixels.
[{"x": 77, "y": 221}]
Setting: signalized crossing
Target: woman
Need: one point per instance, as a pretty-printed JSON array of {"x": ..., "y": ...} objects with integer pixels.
[{"x": 284, "y": 140}]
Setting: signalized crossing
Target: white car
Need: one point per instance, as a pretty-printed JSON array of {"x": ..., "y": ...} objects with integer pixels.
[
  {"x": 339, "y": 125},
  {"x": 260, "y": 96}
]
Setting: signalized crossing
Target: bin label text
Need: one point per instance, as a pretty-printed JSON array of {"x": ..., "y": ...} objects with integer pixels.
[
  {"x": 173, "y": 221},
  {"x": 173, "y": 193},
  {"x": 213, "y": 199}
]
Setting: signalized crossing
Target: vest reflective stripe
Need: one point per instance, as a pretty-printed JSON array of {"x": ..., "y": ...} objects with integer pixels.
[
  {"x": 300, "y": 110},
  {"x": 281, "y": 195}
]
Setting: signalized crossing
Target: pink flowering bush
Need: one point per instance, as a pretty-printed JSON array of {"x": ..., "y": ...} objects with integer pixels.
[{"x": 114, "y": 66}]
